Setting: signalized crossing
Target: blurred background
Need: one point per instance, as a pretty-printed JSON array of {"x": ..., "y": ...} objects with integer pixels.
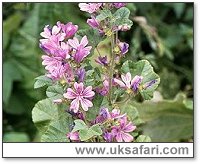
[{"x": 161, "y": 33}]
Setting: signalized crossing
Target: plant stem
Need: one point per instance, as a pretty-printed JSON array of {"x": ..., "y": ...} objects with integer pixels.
[
  {"x": 124, "y": 101},
  {"x": 112, "y": 64},
  {"x": 98, "y": 52}
]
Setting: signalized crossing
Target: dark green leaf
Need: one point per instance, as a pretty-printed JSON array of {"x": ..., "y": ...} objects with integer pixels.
[
  {"x": 103, "y": 15},
  {"x": 42, "y": 81},
  {"x": 167, "y": 120},
  {"x": 86, "y": 134},
  {"x": 121, "y": 17},
  {"x": 55, "y": 92},
  {"x": 79, "y": 125},
  {"x": 52, "y": 121},
  {"x": 97, "y": 103},
  {"x": 93, "y": 36},
  {"x": 10, "y": 74}
]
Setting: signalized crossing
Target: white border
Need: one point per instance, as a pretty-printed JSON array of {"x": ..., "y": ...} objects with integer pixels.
[
  {"x": 196, "y": 93},
  {"x": 119, "y": 150}
]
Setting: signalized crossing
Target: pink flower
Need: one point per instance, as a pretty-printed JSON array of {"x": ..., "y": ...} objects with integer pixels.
[
  {"x": 124, "y": 27},
  {"x": 93, "y": 22},
  {"x": 89, "y": 7},
  {"x": 80, "y": 49},
  {"x": 119, "y": 5},
  {"x": 69, "y": 29},
  {"x": 79, "y": 95},
  {"x": 74, "y": 136},
  {"x": 121, "y": 132},
  {"x": 104, "y": 89},
  {"x": 61, "y": 71},
  {"x": 55, "y": 31},
  {"x": 102, "y": 60},
  {"x": 123, "y": 47},
  {"x": 129, "y": 83}
]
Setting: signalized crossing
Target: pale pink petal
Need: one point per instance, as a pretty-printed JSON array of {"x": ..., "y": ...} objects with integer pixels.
[
  {"x": 127, "y": 79},
  {"x": 119, "y": 137},
  {"x": 78, "y": 87},
  {"x": 87, "y": 49},
  {"x": 129, "y": 127},
  {"x": 85, "y": 104},
  {"x": 126, "y": 137},
  {"x": 46, "y": 33},
  {"x": 75, "y": 105},
  {"x": 121, "y": 84},
  {"x": 73, "y": 136},
  {"x": 55, "y": 30},
  {"x": 70, "y": 94},
  {"x": 83, "y": 6},
  {"x": 43, "y": 41},
  {"x": 61, "y": 36},
  {"x": 88, "y": 92},
  {"x": 84, "y": 41},
  {"x": 74, "y": 43}
]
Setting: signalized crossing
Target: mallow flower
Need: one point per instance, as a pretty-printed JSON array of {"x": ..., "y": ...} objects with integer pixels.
[
  {"x": 121, "y": 132},
  {"x": 129, "y": 83},
  {"x": 118, "y": 5},
  {"x": 69, "y": 29},
  {"x": 80, "y": 97},
  {"x": 80, "y": 49},
  {"x": 89, "y": 7}
]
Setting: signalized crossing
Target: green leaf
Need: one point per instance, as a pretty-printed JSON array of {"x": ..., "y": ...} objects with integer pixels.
[
  {"x": 121, "y": 17},
  {"x": 79, "y": 125},
  {"x": 52, "y": 121},
  {"x": 143, "y": 68},
  {"x": 15, "y": 105},
  {"x": 10, "y": 25},
  {"x": 97, "y": 103},
  {"x": 55, "y": 92},
  {"x": 96, "y": 129},
  {"x": 132, "y": 114},
  {"x": 167, "y": 120},
  {"x": 179, "y": 9},
  {"x": 103, "y": 15},
  {"x": 143, "y": 138},
  {"x": 93, "y": 36},
  {"x": 86, "y": 134},
  {"x": 42, "y": 81},
  {"x": 15, "y": 137},
  {"x": 10, "y": 74}
]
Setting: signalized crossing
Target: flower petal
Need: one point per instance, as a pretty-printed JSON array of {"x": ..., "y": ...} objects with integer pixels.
[
  {"x": 70, "y": 94},
  {"x": 85, "y": 104},
  {"x": 119, "y": 137},
  {"x": 88, "y": 92},
  {"x": 74, "y": 43},
  {"x": 121, "y": 84},
  {"x": 84, "y": 41},
  {"x": 126, "y": 137},
  {"x": 55, "y": 30},
  {"x": 129, "y": 127},
  {"x": 127, "y": 79},
  {"x": 78, "y": 87},
  {"x": 75, "y": 105}
]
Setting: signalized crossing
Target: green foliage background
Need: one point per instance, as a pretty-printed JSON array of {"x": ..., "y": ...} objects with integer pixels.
[{"x": 161, "y": 33}]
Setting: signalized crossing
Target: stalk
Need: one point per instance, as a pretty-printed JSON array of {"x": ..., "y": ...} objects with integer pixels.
[{"x": 112, "y": 66}]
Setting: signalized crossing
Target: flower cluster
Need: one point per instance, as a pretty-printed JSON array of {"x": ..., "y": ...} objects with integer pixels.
[
  {"x": 116, "y": 126},
  {"x": 65, "y": 64},
  {"x": 61, "y": 51}
]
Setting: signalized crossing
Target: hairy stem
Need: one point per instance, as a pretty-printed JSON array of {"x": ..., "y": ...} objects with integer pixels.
[{"x": 112, "y": 66}]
